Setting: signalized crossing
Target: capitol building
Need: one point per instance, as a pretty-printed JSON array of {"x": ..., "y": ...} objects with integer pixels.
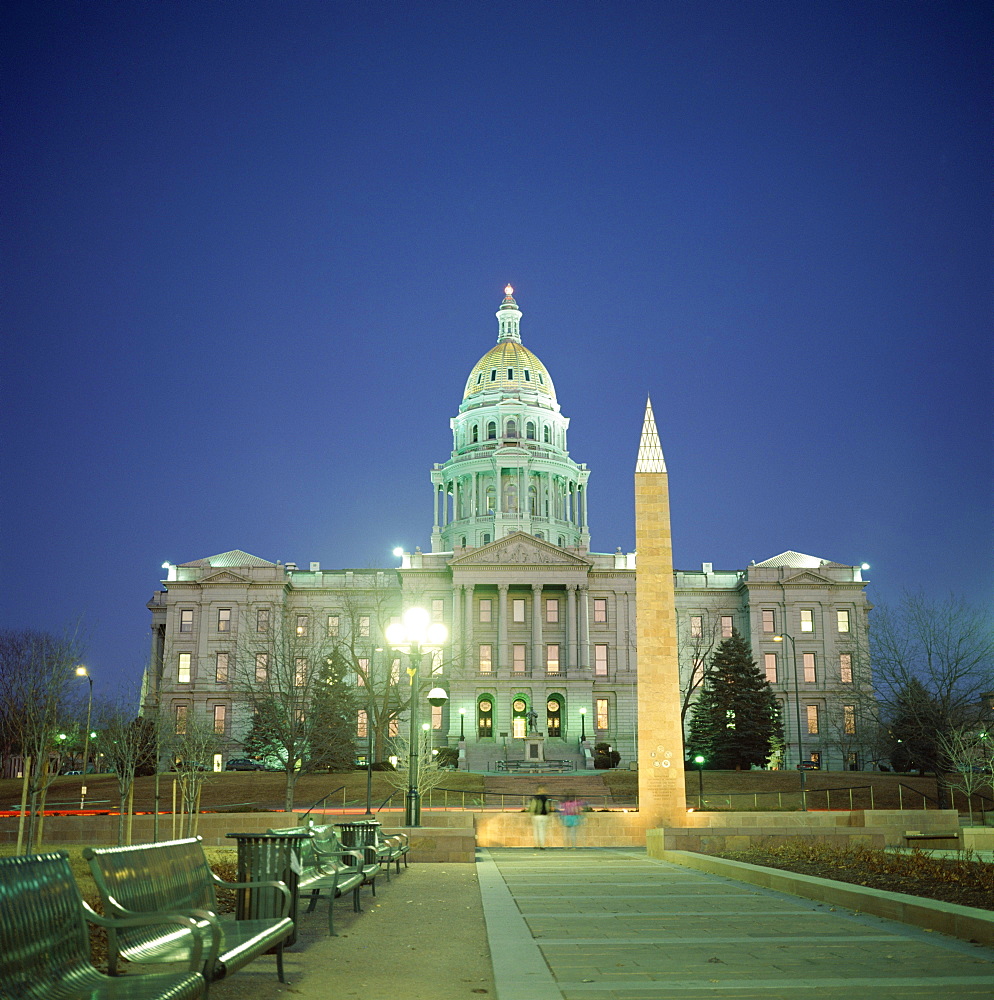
[{"x": 541, "y": 628}]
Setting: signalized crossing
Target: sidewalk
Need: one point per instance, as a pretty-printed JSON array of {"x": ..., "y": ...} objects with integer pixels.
[{"x": 617, "y": 925}]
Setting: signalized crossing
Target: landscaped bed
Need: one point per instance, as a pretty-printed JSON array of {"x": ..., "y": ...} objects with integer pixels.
[{"x": 963, "y": 880}]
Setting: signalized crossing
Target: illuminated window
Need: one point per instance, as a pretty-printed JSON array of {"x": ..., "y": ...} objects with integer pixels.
[
  {"x": 181, "y": 711},
  {"x": 812, "y": 714},
  {"x": 601, "y": 717},
  {"x": 486, "y": 609},
  {"x": 393, "y": 727},
  {"x": 843, "y": 620},
  {"x": 600, "y": 610},
  {"x": 849, "y": 719},
  {"x": 300, "y": 671},
  {"x": 518, "y": 657},
  {"x": 221, "y": 668},
  {"x": 485, "y": 717},
  {"x": 807, "y": 620},
  {"x": 436, "y": 716},
  {"x": 552, "y": 610},
  {"x": 845, "y": 667},
  {"x": 437, "y": 610},
  {"x": 220, "y": 711},
  {"x": 183, "y": 668},
  {"x": 333, "y": 625},
  {"x": 600, "y": 659},
  {"x": 362, "y": 724},
  {"x": 261, "y": 668},
  {"x": 224, "y": 619},
  {"x": 362, "y": 670},
  {"x": 552, "y": 658},
  {"x": 696, "y": 627},
  {"x": 770, "y": 663},
  {"x": 262, "y": 620},
  {"x": 186, "y": 621},
  {"x": 769, "y": 621},
  {"x": 302, "y": 624},
  {"x": 364, "y": 626},
  {"x": 486, "y": 658},
  {"x": 518, "y": 610},
  {"x": 809, "y": 668},
  {"x": 726, "y": 626}
]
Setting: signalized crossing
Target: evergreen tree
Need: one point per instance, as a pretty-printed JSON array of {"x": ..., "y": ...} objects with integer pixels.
[{"x": 735, "y": 722}]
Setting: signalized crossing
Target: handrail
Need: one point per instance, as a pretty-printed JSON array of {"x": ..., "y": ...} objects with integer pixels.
[
  {"x": 320, "y": 801},
  {"x": 385, "y": 801}
]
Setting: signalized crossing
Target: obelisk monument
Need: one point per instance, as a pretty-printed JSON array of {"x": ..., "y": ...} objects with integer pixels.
[{"x": 662, "y": 796}]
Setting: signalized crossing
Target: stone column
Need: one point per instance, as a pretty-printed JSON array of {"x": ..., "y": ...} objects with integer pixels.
[
  {"x": 583, "y": 602},
  {"x": 537, "y": 619},
  {"x": 570, "y": 627},
  {"x": 502, "y": 650},
  {"x": 662, "y": 796},
  {"x": 468, "y": 644}
]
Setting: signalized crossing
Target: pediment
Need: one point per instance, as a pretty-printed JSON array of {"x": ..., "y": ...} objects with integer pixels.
[
  {"x": 807, "y": 579},
  {"x": 224, "y": 576},
  {"x": 520, "y": 549}
]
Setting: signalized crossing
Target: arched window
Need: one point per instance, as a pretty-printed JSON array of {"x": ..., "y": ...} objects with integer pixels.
[
  {"x": 530, "y": 431},
  {"x": 512, "y": 429},
  {"x": 554, "y": 715},
  {"x": 476, "y": 433},
  {"x": 486, "y": 538},
  {"x": 485, "y": 716},
  {"x": 491, "y": 500},
  {"x": 546, "y": 436},
  {"x": 511, "y": 498},
  {"x": 492, "y": 431},
  {"x": 532, "y": 501}
]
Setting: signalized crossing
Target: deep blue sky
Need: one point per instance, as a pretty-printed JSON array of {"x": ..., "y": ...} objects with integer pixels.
[{"x": 251, "y": 251}]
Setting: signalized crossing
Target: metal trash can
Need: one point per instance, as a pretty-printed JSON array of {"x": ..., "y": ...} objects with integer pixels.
[
  {"x": 267, "y": 857},
  {"x": 360, "y": 835}
]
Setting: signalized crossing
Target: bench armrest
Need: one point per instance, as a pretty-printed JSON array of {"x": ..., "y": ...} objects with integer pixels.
[
  {"x": 282, "y": 886},
  {"x": 149, "y": 919}
]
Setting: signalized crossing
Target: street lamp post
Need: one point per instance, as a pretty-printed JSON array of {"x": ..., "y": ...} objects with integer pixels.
[
  {"x": 699, "y": 761},
  {"x": 797, "y": 709},
  {"x": 81, "y": 671},
  {"x": 462, "y": 724},
  {"x": 413, "y": 635},
  {"x": 583, "y": 725}
]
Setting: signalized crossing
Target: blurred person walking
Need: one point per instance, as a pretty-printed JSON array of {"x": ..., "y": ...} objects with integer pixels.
[
  {"x": 571, "y": 814},
  {"x": 540, "y": 808}
]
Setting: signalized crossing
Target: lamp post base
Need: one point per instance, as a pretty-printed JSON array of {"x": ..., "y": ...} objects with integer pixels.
[{"x": 412, "y": 808}]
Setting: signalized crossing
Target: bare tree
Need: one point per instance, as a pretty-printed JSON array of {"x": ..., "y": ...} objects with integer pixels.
[
  {"x": 970, "y": 752},
  {"x": 294, "y": 683},
  {"x": 36, "y": 674},
  {"x": 430, "y": 774},
  {"x": 698, "y": 636},
  {"x": 933, "y": 662},
  {"x": 191, "y": 741}
]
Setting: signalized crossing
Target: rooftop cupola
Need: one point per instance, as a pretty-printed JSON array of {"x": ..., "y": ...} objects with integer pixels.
[{"x": 509, "y": 317}]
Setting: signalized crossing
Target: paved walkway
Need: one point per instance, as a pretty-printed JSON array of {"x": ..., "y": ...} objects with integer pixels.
[{"x": 603, "y": 924}]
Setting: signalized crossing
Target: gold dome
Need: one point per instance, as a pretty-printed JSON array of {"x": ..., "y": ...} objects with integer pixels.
[{"x": 510, "y": 368}]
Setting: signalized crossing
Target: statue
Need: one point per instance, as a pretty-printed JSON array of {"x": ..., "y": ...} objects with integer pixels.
[{"x": 533, "y": 721}]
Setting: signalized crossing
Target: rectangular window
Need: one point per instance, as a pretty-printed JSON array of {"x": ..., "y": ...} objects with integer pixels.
[
  {"x": 600, "y": 659},
  {"x": 224, "y": 619},
  {"x": 393, "y": 727},
  {"x": 486, "y": 609},
  {"x": 849, "y": 719},
  {"x": 436, "y": 716},
  {"x": 220, "y": 711},
  {"x": 843, "y": 620},
  {"x": 181, "y": 720},
  {"x": 364, "y": 626},
  {"x": 807, "y": 620},
  {"x": 601, "y": 716},
  {"x": 186, "y": 620},
  {"x": 809, "y": 667},
  {"x": 770, "y": 663},
  {"x": 769, "y": 621},
  {"x": 486, "y": 658},
  {"x": 183, "y": 668},
  {"x": 518, "y": 610},
  {"x": 261, "y": 668},
  {"x": 600, "y": 610},
  {"x": 552, "y": 610},
  {"x": 518, "y": 657},
  {"x": 262, "y": 620},
  {"x": 845, "y": 667},
  {"x": 812, "y": 714},
  {"x": 552, "y": 658},
  {"x": 333, "y": 626},
  {"x": 362, "y": 724},
  {"x": 362, "y": 671},
  {"x": 395, "y": 671},
  {"x": 696, "y": 627},
  {"x": 302, "y": 624},
  {"x": 221, "y": 668},
  {"x": 438, "y": 610},
  {"x": 300, "y": 672},
  {"x": 726, "y": 626}
]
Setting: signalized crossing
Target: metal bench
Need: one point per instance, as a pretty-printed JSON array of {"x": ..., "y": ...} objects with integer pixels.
[
  {"x": 175, "y": 878},
  {"x": 389, "y": 849},
  {"x": 326, "y": 865},
  {"x": 45, "y": 944},
  {"x": 914, "y": 836}
]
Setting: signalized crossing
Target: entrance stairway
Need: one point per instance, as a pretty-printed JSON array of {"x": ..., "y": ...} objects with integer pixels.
[{"x": 590, "y": 787}]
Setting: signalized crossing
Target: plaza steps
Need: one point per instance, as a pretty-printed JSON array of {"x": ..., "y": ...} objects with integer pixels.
[{"x": 588, "y": 786}]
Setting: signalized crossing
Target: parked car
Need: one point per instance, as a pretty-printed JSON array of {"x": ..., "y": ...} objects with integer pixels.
[
  {"x": 244, "y": 764},
  {"x": 809, "y": 765}
]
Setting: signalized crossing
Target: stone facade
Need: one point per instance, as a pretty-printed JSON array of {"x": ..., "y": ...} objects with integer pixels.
[{"x": 538, "y": 623}]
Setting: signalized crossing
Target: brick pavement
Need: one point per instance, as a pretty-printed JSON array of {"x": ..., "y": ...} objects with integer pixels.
[{"x": 605, "y": 924}]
